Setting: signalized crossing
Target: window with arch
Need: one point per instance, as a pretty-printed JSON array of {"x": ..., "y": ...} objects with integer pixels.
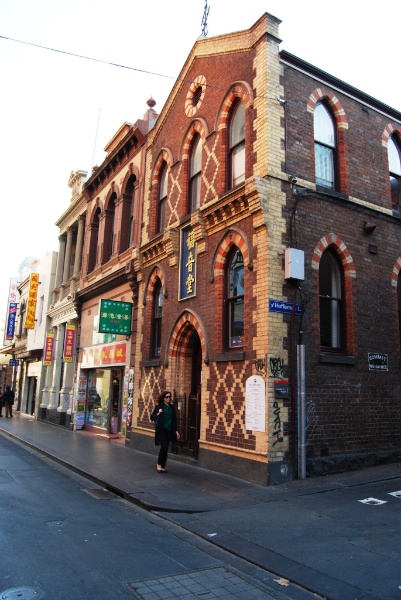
[
  {"x": 162, "y": 199},
  {"x": 235, "y": 299},
  {"x": 157, "y": 319},
  {"x": 93, "y": 241},
  {"x": 394, "y": 161},
  {"x": 22, "y": 315},
  {"x": 331, "y": 302},
  {"x": 109, "y": 234},
  {"x": 237, "y": 146},
  {"x": 127, "y": 217},
  {"x": 325, "y": 147},
  {"x": 195, "y": 171}
]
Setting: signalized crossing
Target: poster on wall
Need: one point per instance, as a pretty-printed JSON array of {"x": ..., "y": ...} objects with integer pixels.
[
  {"x": 255, "y": 403},
  {"x": 80, "y": 402}
]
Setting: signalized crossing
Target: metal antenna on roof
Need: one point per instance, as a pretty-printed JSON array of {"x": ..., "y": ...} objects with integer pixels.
[{"x": 204, "y": 19}]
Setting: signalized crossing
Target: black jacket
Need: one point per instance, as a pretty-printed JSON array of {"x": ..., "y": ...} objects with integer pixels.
[
  {"x": 157, "y": 419},
  {"x": 8, "y": 396}
]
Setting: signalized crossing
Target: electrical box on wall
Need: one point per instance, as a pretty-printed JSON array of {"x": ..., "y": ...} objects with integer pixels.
[{"x": 294, "y": 264}]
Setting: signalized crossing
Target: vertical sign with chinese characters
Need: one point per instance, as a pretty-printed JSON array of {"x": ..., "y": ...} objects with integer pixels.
[
  {"x": 49, "y": 345},
  {"x": 69, "y": 342},
  {"x": 12, "y": 315},
  {"x": 32, "y": 296},
  {"x": 187, "y": 264},
  {"x": 11, "y": 312}
]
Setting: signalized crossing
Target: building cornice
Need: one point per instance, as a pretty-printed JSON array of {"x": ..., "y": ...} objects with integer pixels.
[{"x": 340, "y": 86}]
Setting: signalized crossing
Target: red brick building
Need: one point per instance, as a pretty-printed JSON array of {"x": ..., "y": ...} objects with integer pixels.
[
  {"x": 254, "y": 154},
  {"x": 211, "y": 255},
  {"x": 344, "y": 213}
]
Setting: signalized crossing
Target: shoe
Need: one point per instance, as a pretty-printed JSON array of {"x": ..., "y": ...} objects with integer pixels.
[{"x": 163, "y": 471}]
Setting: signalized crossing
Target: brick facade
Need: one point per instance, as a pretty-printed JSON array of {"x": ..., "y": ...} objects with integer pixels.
[
  {"x": 353, "y": 412},
  {"x": 229, "y": 69}
]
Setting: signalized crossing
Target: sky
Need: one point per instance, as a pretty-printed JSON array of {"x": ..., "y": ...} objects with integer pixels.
[{"x": 59, "y": 111}]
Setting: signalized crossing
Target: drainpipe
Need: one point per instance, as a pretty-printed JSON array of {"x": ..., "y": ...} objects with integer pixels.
[{"x": 301, "y": 394}]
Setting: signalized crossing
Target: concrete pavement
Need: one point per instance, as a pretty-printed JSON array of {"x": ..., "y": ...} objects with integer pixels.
[{"x": 277, "y": 528}]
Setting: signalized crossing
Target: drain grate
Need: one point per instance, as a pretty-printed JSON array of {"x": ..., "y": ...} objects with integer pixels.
[
  {"x": 56, "y": 523},
  {"x": 20, "y": 593},
  {"x": 203, "y": 584},
  {"x": 100, "y": 494}
]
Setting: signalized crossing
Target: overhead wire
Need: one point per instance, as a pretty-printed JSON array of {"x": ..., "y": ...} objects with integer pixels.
[{"x": 118, "y": 65}]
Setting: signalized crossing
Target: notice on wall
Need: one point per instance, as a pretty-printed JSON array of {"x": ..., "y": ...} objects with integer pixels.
[{"x": 255, "y": 403}]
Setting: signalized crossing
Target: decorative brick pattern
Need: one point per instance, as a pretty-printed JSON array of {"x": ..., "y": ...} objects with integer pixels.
[
  {"x": 226, "y": 408},
  {"x": 388, "y": 132},
  {"x": 345, "y": 256},
  {"x": 338, "y": 111},
  {"x": 396, "y": 272},
  {"x": 177, "y": 344},
  {"x": 232, "y": 238}
]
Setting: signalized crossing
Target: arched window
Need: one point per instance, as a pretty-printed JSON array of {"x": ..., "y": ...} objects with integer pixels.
[
  {"x": 394, "y": 161},
  {"x": 162, "y": 199},
  {"x": 157, "y": 319},
  {"x": 127, "y": 215},
  {"x": 331, "y": 302},
  {"x": 195, "y": 169},
  {"x": 237, "y": 146},
  {"x": 22, "y": 315},
  {"x": 93, "y": 241},
  {"x": 109, "y": 234},
  {"x": 235, "y": 300},
  {"x": 325, "y": 147}
]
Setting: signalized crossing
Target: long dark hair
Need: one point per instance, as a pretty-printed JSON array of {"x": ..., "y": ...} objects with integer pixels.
[{"x": 163, "y": 395}]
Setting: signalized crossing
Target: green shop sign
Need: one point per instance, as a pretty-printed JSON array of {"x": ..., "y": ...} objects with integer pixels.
[{"x": 115, "y": 317}]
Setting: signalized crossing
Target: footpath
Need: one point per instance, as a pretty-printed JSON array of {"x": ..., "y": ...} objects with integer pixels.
[{"x": 276, "y": 528}]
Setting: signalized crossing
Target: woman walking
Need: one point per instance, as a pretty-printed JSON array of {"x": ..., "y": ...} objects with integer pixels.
[{"x": 165, "y": 419}]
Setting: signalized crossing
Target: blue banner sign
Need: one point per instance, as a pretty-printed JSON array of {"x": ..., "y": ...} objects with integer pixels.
[
  {"x": 280, "y": 306},
  {"x": 12, "y": 315},
  {"x": 14, "y": 362}
]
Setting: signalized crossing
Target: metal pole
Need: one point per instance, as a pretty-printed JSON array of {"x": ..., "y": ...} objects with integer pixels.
[{"x": 301, "y": 412}]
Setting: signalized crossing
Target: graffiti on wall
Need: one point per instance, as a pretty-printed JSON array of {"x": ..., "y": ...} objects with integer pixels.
[
  {"x": 261, "y": 365},
  {"x": 276, "y": 366},
  {"x": 278, "y": 432}
]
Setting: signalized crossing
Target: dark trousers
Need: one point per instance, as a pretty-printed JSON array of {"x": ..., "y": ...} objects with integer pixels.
[{"x": 165, "y": 439}]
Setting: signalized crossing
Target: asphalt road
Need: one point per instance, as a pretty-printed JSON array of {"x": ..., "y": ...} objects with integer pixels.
[
  {"x": 351, "y": 533},
  {"x": 64, "y": 537}
]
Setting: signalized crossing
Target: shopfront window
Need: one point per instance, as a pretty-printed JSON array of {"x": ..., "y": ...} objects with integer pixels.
[{"x": 103, "y": 399}]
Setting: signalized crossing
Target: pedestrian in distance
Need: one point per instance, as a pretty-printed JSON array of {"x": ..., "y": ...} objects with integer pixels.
[
  {"x": 165, "y": 419},
  {"x": 8, "y": 399},
  {"x": 1, "y": 403}
]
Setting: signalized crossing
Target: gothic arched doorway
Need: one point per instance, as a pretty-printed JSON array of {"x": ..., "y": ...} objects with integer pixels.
[{"x": 187, "y": 390}]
